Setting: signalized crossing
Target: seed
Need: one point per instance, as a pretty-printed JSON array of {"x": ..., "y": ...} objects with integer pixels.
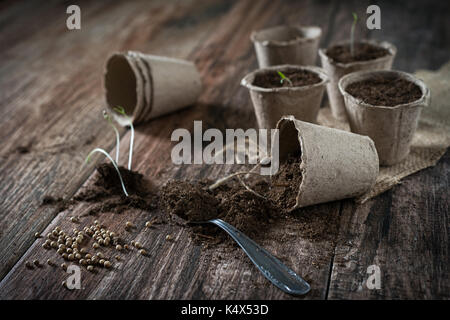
[
  {"x": 94, "y": 259},
  {"x": 71, "y": 257},
  {"x": 95, "y": 221},
  {"x": 169, "y": 237},
  {"x": 143, "y": 252},
  {"x": 118, "y": 258},
  {"x": 36, "y": 263},
  {"x": 54, "y": 244},
  {"x": 129, "y": 224},
  {"x": 74, "y": 246},
  {"x": 100, "y": 255},
  {"x": 126, "y": 247},
  {"x": 112, "y": 234},
  {"x": 29, "y": 265},
  {"x": 50, "y": 262},
  {"x": 74, "y": 219},
  {"x": 133, "y": 243},
  {"x": 82, "y": 250},
  {"x": 95, "y": 245},
  {"x": 37, "y": 235},
  {"x": 119, "y": 247},
  {"x": 64, "y": 266},
  {"x": 65, "y": 256},
  {"x": 101, "y": 262},
  {"x": 89, "y": 261},
  {"x": 57, "y": 228},
  {"x": 90, "y": 268},
  {"x": 60, "y": 251},
  {"x": 46, "y": 247},
  {"x": 88, "y": 256},
  {"x": 101, "y": 242},
  {"x": 107, "y": 264},
  {"x": 64, "y": 284},
  {"x": 55, "y": 233},
  {"x": 78, "y": 256},
  {"x": 82, "y": 261}
]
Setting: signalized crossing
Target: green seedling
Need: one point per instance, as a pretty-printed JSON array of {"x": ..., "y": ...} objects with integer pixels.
[
  {"x": 106, "y": 154},
  {"x": 121, "y": 111},
  {"x": 108, "y": 118},
  {"x": 284, "y": 78},
  {"x": 352, "y": 34}
]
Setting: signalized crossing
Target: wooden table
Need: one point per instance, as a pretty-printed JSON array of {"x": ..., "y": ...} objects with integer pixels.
[{"x": 51, "y": 102}]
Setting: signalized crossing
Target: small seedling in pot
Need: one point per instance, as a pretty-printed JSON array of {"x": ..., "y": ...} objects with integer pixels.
[
  {"x": 352, "y": 34},
  {"x": 108, "y": 118},
  {"x": 284, "y": 79},
  {"x": 121, "y": 111}
]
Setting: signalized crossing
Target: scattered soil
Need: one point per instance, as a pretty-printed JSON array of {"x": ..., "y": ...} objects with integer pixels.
[
  {"x": 363, "y": 52},
  {"x": 248, "y": 212},
  {"x": 385, "y": 92},
  {"x": 299, "y": 78}
]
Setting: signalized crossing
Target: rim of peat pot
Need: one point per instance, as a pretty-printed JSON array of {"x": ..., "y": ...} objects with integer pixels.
[
  {"x": 357, "y": 76},
  {"x": 392, "y": 49},
  {"x": 249, "y": 79},
  {"x": 309, "y": 33}
]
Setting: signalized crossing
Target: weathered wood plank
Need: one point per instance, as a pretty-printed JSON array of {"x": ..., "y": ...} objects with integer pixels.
[
  {"x": 181, "y": 269},
  {"x": 405, "y": 233},
  {"x": 52, "y": 105}
]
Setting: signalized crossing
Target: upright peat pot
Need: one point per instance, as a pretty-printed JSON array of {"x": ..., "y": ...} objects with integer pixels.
[
  {"x": 335, "y": 164},
  {"x": 285, "y": 90},
  {"x": 148, "y": 86},
  {"x": 386, "y": 106},
  {"x": 338, "y": 61},
  {"x": 286, "y": 45}
]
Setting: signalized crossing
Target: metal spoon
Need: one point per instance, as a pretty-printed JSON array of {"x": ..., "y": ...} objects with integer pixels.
[{"x": 272, "y": 268}]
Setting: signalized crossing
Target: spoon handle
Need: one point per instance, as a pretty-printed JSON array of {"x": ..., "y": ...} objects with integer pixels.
[{"x": 272, "y": 268}]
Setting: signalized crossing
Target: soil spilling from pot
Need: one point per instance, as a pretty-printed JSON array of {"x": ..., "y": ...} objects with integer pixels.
[
  {"x": 250, "y": 213},
  {"x": 385, "y": 92},
  {"x": 363, "y": 52},
  {"x": 299, "y": 78}
]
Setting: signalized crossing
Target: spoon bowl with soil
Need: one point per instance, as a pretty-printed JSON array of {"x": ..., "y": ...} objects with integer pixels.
[
  {"x": 273, "y": 98},
  {"x": 338, "y": 61},
  {"x": 286, "y": 45},
  {"x": 386, "y": 106}
]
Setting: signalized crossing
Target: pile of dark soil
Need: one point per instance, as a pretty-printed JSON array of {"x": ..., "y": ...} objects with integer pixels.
[
  {"x": 299, "y": 78},
  {"x": 385, "y": 92},
  {"x": 363, "y": 52},
  {"x": 231, "y": 202}
]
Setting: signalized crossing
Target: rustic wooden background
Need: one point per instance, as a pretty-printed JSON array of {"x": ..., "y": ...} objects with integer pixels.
[{"x": 50, "y": 101}]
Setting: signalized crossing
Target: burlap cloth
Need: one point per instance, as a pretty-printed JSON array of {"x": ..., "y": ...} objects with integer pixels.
[{"x": 431, "y": 139}]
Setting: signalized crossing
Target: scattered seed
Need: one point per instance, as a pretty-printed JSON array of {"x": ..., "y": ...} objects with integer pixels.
[
  {"x": 107, "y": 264},
  {"x": 169, "y": 237},
  {"x": 50, "y": 262},
  {"x": 37, "y": 235},
  {"x": 74, "y": 219},
  {"x": 36, "y": 263},
  {"x": 129, "y": 224},
  {"x": 126, "y": 247},
  {"x": 118, "y": 247},
  {"x": 29, "y": 265},
  {"x": 90, "y": 268},
  {"x": 118, "y": 258},
  {"x": 64, "y": 266},
  {"x": 143, "y": 252},
  {"x": 64, "y": 284},
  {"x": 138, "y": 245}
]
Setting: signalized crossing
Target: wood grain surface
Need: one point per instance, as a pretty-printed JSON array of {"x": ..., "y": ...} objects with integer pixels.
[{"x": 51, "y": 101}]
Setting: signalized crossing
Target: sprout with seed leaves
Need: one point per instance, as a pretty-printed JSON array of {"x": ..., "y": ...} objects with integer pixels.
[
  {"x": 352, "y": 34},
  {"x": 121, "y": 111},
  {"x": 284, "y": 78}
]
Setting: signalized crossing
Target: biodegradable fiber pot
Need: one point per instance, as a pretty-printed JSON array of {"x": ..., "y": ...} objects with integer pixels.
[
  {"x": 148, "y": 86},
  {"x": 337, "y": 70},
  {"x": 286, "y": 45},
  {"x": 271, "y": 104},
  {"x": 335, "y": 164},
  {"x": 391, "y": 127}
]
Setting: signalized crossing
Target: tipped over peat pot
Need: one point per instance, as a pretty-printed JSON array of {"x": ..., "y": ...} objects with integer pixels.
[
  {"x": 338, "y": 61},
  {"x": 273, "y": 99},
  {"x": 286, "y": 45},
  {"x": 386, "y": 106},
  {"x": 335, "y": 164},
  {"x": 148, "y": 86}
]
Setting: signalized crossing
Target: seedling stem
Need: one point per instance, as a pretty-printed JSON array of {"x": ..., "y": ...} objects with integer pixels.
[
  {"x": 352, "y": 34},
  {"x": 108, "y": 118},
  {"x": 121, "y": 111},
  {"x": 88, "y": 158}
]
